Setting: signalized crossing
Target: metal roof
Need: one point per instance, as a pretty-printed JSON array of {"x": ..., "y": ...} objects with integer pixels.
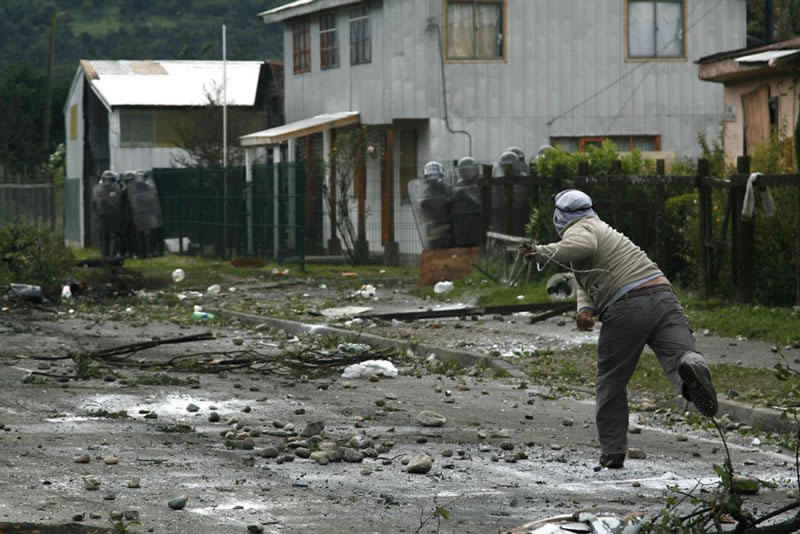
[
  {"x": 762, "y": 57},
  {"x": 299, "y": 8},
  {"x": 172, "y": 83},
  {"x": 301, "y": 128}
]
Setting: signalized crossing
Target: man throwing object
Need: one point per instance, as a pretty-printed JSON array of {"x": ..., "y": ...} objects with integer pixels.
[{"x": 621, "y": 286}]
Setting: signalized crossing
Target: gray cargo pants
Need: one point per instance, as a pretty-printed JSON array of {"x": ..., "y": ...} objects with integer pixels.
[{"x": 655, "y": 319}]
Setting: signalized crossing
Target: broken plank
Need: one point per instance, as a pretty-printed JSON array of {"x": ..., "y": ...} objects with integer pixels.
[{"x": 553, "y": 308}]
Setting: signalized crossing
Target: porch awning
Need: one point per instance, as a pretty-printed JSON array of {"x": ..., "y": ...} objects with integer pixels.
[{"x": 301, "y": 128}]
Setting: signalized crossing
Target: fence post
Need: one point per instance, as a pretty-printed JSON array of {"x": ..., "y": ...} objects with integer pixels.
[
  {"x": 746, "y": 234},
  {"x": 486, "y": 202},
  {"x": 703, "y": 228},
  {"x": 661, "y": 197}
]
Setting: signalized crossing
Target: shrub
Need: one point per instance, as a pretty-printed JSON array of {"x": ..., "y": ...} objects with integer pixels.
[{"x": 32, "y": 254}]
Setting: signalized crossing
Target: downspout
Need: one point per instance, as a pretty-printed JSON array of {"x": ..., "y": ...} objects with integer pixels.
[{"x": 431, "y": 26}]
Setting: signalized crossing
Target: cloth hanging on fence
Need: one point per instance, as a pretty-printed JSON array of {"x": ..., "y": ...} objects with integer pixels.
[{"x": 749, "y": 204}]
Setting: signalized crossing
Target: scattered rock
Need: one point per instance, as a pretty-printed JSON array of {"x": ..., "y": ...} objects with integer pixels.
[
  {"x": 213, "y": 417},
  {"x": 302, "y": 452},
  {"x": 192, "y": 408},
  {"x": 636, "y": 454},
  {"x": 111, "y": 460},
  {"x": 82, "y": 459},
  {"x": 430, "y": 418},
  {"x": 352, "y": 455},
  {"x": 91, "y": 482},
  {"x": 312, "y": 429},
  {"x": 133, "y": 483},
  {"x": 745, "y": 485},
  {"x": 255, "y": 529},
  {"x": 420, "y": 464},
  {"x": 131, "y": 515},
  {"x": 321, "y": 457},
  {"x": 246, "y": 444},
  {"x": 178, "y": 503}
]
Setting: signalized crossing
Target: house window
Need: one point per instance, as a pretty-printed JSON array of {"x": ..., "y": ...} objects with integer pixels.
[
  {"x": 625, "y": 143},
  {"x": 73, "y": 122},
  {"x": 656, "y": 29},
  {"x": 328, "y": 42},
  {"x": 136, "y": 127},
  {"x": 301, "y": 47},
  {"x": 360, "y": 38},
  {"x": 475, "y": 29}
]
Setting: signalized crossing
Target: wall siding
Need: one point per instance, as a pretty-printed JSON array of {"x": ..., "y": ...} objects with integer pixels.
[{"x": 560, "y": 54}]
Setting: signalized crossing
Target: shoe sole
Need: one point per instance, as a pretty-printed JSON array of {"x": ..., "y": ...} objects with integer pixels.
[{"x": 700, "y": 389}]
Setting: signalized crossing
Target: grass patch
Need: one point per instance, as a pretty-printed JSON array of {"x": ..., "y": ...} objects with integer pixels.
[
  {"x": 775, "y": 325},
  {"x": 578, "y": 367}
]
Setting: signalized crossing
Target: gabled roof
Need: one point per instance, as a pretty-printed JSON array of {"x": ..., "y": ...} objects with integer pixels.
[
  {"x": 174, "y": 83},
  {"x": 299, "y": 8},
  {"x": 747, "y": 63}
]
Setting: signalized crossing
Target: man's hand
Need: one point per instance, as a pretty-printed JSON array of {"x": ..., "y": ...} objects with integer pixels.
[
  {"x": 585, "y": 320},
  {"x": 528, "y": 251}
]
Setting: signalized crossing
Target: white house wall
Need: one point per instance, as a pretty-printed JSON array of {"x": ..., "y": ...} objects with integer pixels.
[
  {"x": 135, "y": 158},
  {"x": 559, "y": 54},
  {"x": 74, "y": 147}
]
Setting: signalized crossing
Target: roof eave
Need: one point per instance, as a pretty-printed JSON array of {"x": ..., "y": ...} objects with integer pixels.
[
  {"x": 281, "y": 14},
  {"x": 728, "y": 70}
]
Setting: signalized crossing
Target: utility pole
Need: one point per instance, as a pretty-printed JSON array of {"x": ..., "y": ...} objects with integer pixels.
[
  {"x": 769, "y": 21},
  {"x": 224, "y": 143}
]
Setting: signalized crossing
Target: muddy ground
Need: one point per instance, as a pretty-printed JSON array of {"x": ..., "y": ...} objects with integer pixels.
[{"x": 509, "y": 452}]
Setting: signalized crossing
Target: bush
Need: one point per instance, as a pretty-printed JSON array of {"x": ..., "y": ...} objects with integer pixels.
[{"x": 33, "y": 255}]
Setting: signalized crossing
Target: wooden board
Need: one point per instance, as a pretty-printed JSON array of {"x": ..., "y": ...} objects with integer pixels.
[{"x": 446, "y": 264}]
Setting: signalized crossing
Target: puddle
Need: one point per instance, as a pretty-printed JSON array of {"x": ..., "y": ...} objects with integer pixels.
[{"x": 168, "y": 405}]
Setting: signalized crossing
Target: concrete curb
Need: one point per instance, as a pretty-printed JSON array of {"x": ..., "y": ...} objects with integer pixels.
[
  {"x": 464, "y": 359},
  {"x": 762, "y": 419}
]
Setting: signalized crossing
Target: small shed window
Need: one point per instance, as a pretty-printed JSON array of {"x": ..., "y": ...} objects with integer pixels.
[
  {"x": 360, "y": 36},
  {"x": 328, "y": 42},
  {"x": 475, "y": 29},
  {"x": 301, "y": 47},
  {"x": 656, "y": 28},
  {"x": 136, "y": 127}
]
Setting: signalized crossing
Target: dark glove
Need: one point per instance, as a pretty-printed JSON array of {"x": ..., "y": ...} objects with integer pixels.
[
  {"x": 585, "y": 320},
  {"x": 528, "y": 251}
]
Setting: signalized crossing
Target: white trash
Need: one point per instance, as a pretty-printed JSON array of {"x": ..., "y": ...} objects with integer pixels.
[
  {"x": 370, "y": 368},
  {"x": 366, "y": 291},
  {"x": 445, "y": 286},
  {"x": 66, "y": 292},
  {"x": 213, "y": 290},
  {"x": 178, "y": 275}
]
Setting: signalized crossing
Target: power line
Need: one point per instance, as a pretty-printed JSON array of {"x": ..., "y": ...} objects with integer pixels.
[{"x": 631, "y": 71}]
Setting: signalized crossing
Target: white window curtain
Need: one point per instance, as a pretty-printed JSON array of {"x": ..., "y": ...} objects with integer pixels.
[
  {"x": 460, "y": 35},
  {"x": 655, "y": 28},
  {"x": 669, "y": 29},
  {"x": 488, "y": 30}
]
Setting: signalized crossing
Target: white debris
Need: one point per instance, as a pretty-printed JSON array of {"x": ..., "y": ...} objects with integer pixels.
[
  {"x": 756, "y": 442},
  {"x": 66, "y": 292},
  {"x": 344, "y": 311},
  {"x": 370, "y": 368},
  {"x": 366, "y": 291},
  {"x": 213, "y": 290},
  {"x": 198, "y": 308},
  {"x": 173, "y": 245},
  {"x": 178, "y": 275},
  {"x": 445, "y": 286},
  {"x": 353, "y": 322},
  {"x": 189, "y": 295}
]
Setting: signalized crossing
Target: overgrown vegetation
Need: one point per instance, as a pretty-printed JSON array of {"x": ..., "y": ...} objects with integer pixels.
[{"x": 33, "y": 254}]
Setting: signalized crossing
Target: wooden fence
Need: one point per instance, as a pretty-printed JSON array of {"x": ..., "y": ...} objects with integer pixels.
[{"x": 506, "y": 203}]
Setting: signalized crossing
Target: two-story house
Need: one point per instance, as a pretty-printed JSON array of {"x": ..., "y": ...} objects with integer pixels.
[{"x": 442, "y": 79}]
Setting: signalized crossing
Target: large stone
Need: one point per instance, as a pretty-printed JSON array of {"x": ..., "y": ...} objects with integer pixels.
[
  {"x": 431, "y": 418},
  {"x": 178, "y": 503},
  {"x": 419, "y": 464},
  {"x": 745, "y": 485},
  {"x": 313, "y": 428},
  {"x": 352, "y": 455}
]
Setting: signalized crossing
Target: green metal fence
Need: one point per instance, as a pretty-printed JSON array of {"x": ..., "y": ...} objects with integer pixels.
[{"x": 278, "y": 215}]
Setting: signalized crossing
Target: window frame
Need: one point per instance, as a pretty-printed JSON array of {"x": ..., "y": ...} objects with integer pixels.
[
  {"x": 329, "y": 57},
  {"x": 360, "y": 15},
  {"x": 445, "y": 29},
  {"x": 665, "y": 59},
  {"x": 301, "y": 47},
  {"x": 584, "y": 141}
]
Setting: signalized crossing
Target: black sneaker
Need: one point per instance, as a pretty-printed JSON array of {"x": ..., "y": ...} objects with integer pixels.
[
  {"x": 612, "y": 461},
  {"x": 697, "y": 387}
]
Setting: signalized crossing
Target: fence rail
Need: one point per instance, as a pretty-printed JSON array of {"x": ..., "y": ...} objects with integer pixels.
[
  {"x": 31, "y": 203},
  {"x": 730, "y": 255}
]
